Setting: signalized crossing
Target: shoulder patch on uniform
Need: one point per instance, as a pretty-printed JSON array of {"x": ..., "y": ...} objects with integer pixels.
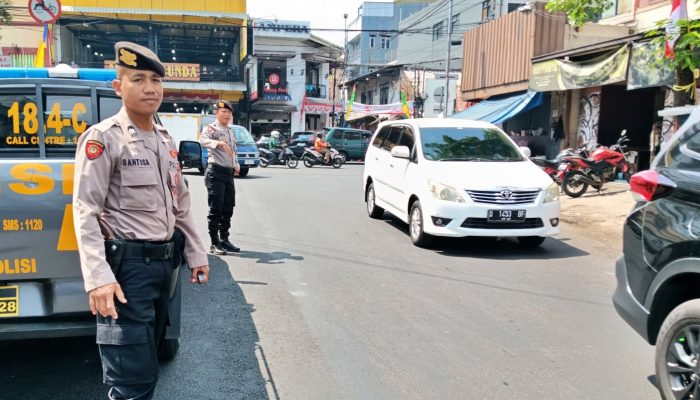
[{"x": 94, "y": 149}]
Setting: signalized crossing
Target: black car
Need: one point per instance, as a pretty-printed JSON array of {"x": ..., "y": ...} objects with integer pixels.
[
  {"x": 301, "y": 140},
  {"x": 658, "y": 274}
]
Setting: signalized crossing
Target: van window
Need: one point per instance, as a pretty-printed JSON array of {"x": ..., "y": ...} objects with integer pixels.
[
  {"x": 379, "y": 139},
  {"x": 408, "y": 138},
  {"x": 352, "y": 135},
  {"x": 337, "y": 135},
  {"x": 65, "y": 118},
  {"x": 366, "y": 135},
  {"x": 19, "y": 124},
  {"x": 393, "y": 138},
  {"x": 108, "y": 106}
]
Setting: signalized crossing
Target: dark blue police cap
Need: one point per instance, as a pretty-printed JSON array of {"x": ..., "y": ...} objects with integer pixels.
[{"x": 134, "y": 56}]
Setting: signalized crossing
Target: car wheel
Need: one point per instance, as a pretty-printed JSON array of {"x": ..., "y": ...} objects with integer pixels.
[
  {"x": 337, "y": 162},
  {"x": 415, "y": 226},
  {"x": 167, "y": 350},
  {"x": 308, "y": 163},
  {"x": 345, "y": 156},
  {"x": 572, "y": 184},
  {"x": 264, "y": 163},
  {"x": 373, "y": 210},
  {"x": 678, "y": 353},
  {"x": 531, "y": 241},
  {"x": 292, "y": 162},
  {"x": 244, "y": 171}
]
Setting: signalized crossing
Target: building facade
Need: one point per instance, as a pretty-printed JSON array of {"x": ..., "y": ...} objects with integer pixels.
[{"x": 289, "y": 72}]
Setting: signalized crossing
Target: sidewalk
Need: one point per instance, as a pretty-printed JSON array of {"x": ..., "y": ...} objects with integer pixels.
[{"x": 599, "y": 215}]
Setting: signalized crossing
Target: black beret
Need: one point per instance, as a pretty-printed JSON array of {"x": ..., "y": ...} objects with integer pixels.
[
  {"x": 134, "y": 56},
  {"x": 224, "y": 104}
]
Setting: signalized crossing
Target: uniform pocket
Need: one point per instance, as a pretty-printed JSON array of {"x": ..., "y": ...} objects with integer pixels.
[
  {"x": 128, "y": 356},
  {"x": 138, "y": 189}
]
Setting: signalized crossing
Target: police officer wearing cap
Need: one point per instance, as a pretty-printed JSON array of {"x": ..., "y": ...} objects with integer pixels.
[
  {"x": 223, "y": 165},
  {"x": 128, "y": 186}
]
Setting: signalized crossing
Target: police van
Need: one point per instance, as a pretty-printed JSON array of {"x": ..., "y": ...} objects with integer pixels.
[{"x": 43, "y": 111}]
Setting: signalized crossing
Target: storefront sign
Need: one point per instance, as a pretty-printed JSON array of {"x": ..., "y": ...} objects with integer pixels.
[
  {"x": 174, "y": 71},
  {"x": 644, "y": 72},
  {"x": 562, "y": 75},
  {"x": 393, "y": 108},
  {"x": 285, "y": 29}
]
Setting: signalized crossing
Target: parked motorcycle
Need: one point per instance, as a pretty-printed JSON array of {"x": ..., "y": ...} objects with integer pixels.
[
  {"x": 269, "y": 158},
  {"x": 557, "y": 168},
  {"x": 601, "y": 167},
  {"x": 311, "y": 157}
]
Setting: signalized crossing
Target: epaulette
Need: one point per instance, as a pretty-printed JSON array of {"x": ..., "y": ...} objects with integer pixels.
[
  {"x": 161, "y": 129},
  {"x": 106, "y": 124}
]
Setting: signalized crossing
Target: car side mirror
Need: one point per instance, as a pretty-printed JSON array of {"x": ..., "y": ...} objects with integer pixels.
[
  {"x": 525, "y": 151},
  {"x": 401, "y": 152},
  {"x": 190, "y": 152}
]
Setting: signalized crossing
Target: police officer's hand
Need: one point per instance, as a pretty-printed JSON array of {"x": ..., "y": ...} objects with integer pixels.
[
  {"x": 225, "y": 147},
  {"x": 102, "y": 299},
  {"x": 203, "y": 269},
  {"x": 236, "y": 170}
]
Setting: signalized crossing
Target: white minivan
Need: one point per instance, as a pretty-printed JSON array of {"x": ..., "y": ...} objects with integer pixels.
[{"x": 452, "y": 177}]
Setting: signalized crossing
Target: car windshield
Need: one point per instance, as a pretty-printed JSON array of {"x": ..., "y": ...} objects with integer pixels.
[
  {"x": 303, "y": 138},
  {"x": 468, "y": 144},
  {"x": 242, "y": 135}
]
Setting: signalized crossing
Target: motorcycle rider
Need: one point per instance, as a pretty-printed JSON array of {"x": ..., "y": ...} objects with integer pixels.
[
  {"x": 275, "y": 146},
  {"x": 322, "y": 146}
]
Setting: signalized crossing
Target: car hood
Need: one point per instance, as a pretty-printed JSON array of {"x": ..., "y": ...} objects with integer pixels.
[{"x": 485, "y": 175}]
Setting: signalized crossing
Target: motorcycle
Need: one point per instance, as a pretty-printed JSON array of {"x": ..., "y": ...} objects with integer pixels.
[
  {"x": 311, "y": 157},
  {"x": 286, "y": 158},
  {"x": 602, "y": 166},
  {"x": 557, "y": 168}
]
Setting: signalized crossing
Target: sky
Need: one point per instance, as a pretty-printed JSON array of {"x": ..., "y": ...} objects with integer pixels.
[{"x": 324, "y": 14}]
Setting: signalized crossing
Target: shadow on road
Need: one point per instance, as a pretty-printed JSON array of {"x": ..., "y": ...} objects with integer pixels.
[
  {"x": 220, "y": 357},
  {"x": 494, "y": 248},
  {"x": 273, "y": 257}
]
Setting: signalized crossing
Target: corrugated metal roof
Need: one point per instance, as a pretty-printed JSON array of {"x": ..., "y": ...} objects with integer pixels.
[
  {"x": 141, "y": 11},
  {"x": 229, "y": 86}
]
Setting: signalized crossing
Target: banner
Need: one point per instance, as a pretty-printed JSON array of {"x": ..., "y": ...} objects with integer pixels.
[
  {"x": 394, "y": 108},
  {"x": 643, "y": 71},
  {"x": 552, "y": 75}
]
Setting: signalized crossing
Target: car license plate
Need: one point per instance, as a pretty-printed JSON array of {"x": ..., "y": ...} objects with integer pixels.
[
  {"x": 506, "y": 216},
  {"x": 249, "y": 162},
  {"x": 9, "y": 301}
]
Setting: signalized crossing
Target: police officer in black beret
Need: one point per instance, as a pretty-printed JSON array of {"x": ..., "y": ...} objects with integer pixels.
[
  {"x": 223, "y": 165},
  {"x": 132, "y": 216}
]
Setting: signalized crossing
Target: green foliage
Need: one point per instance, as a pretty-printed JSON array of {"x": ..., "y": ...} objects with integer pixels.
[
  {"x": 580, "y": 11},
  {"x": 5, "y": 16},
  {"x": 686, "y": 49}
]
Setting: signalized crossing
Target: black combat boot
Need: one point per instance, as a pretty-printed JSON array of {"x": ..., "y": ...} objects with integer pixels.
[
  {"x": 228, "y": 246},
  {"x": 217, "y": 247}
]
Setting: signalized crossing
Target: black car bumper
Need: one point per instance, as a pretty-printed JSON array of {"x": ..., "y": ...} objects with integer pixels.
[{"x": 626, "y": 304}]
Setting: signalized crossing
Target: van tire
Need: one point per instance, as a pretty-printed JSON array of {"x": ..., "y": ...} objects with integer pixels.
[
  {"x": 373, "y": 210},
  {"x": 243, "y": 172},
  {"x": 415, "y": 226},
  {"x": 167, "y": 350}
]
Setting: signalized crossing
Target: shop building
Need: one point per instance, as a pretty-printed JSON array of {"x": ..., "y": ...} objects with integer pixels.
[{"x": 289, "y": 72}]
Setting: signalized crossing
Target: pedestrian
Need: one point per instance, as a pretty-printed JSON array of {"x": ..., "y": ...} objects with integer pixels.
[
  {"x": 128, "y": 187},
  {"x": 223, "y": 165}
]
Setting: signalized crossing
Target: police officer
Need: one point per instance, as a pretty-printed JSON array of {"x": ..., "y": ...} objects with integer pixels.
[
  {"x": 223, "y": 165},
  {"x": 128, "y": 182}
]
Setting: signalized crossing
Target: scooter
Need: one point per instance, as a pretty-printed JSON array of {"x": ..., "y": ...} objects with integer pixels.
[
  {"x": 311, "y": 157},
  {"x": 269, "y": 158}
]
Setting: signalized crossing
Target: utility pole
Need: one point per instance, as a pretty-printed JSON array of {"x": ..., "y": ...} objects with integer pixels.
[{"x": 446, "y": 95}]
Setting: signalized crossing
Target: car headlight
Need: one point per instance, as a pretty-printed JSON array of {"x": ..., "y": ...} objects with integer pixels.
[
  {"x": 443, "y": 192},
  {"x": 551, "y": 193}
]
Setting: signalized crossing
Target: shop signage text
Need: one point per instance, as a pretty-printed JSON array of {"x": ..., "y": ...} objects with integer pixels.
[
  {"x": 174, "y": 71},
  {"x": 286, "y": 29}
]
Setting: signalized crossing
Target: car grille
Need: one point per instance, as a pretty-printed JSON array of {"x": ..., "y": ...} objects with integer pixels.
[
  {"x": 483, "y": 223},
  {"x": 504, "y": 196},
  {"x": 245, "y": 155}
]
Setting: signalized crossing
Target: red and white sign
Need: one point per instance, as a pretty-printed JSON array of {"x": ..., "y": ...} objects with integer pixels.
[
  {"x": 45, "y": 11},
  {"x": 274, "y": 79}
]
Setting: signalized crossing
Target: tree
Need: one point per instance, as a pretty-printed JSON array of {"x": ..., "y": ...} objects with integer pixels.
[
  {"x": 579, "y": 11},
  {"x": 5, "y": 16}
]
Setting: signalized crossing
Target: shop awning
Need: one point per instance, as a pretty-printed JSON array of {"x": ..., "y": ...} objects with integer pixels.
[{"x": 496, "y": 111}]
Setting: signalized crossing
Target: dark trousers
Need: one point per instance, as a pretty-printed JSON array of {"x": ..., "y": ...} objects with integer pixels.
[
  {"x": 129, "y": 345},
  {"x": 222, "y": 198}
]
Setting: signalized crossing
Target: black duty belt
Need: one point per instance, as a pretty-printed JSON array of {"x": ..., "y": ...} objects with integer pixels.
[
  {"x": 149, "y": 251},
  {"x": 219, "y": 168}
]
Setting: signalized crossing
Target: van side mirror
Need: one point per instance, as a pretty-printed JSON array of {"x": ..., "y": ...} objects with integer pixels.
[
  {"x": 190, "y": 155},
  {"x": 401, "y": 152}
]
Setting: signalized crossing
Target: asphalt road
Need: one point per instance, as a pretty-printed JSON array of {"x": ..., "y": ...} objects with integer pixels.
[{"x": 325, "y": 303}]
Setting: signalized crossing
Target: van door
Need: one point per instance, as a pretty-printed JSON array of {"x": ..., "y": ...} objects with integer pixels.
[{"x": 397, "y": 171}]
